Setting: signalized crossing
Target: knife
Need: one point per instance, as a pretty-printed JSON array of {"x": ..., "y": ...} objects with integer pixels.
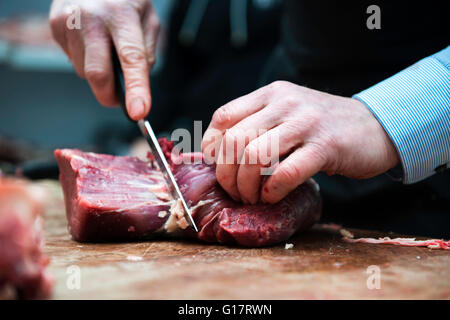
[{"x": 149, "y": 135}]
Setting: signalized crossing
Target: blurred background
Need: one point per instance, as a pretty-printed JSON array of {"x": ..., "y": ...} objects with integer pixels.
[
  {"x": 209, "y": 52},
  {"x": 45, "y": 104}
]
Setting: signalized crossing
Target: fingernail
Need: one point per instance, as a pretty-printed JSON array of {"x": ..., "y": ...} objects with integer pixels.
[{"x": 137, "y": 109}]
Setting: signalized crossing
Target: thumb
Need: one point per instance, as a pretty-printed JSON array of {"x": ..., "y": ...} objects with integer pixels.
[{"x": 298, "y": 167}]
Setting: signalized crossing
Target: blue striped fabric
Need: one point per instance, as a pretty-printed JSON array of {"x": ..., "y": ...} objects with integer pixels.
[{"x": 413, "y": 106}]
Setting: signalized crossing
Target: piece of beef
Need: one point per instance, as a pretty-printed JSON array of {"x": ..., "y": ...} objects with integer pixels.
[
  {"x": 119, "y": 198},
  {"x": 23, "y": 271},
  {"x": 222, "y": 219},
  {"x": 109, "y": 198}
]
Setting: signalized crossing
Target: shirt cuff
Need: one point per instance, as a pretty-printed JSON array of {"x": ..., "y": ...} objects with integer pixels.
[{"x": 414, "y": 109}]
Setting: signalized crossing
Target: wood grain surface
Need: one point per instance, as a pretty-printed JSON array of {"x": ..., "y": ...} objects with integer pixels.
[{"x": 319, "y": 266}]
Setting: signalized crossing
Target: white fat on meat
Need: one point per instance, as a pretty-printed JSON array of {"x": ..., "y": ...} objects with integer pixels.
[
  {"x": 160, "y": 191},
  {"x": 200, "y": 204},
  {"x": 162, "y": 214},
  {"x": 177, "y": 221},
  {"x": 288, "y": 246}
]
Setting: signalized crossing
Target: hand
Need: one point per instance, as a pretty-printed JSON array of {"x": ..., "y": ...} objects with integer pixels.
[
  {"x": 316, "y": 132},
  {"x": 131, "y": 26}
]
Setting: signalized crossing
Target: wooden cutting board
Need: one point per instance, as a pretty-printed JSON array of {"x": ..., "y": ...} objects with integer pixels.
[{"x": 319, "y": 266}]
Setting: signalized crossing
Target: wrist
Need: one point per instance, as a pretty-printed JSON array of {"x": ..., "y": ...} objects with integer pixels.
[{"x": 387, "y": 150}]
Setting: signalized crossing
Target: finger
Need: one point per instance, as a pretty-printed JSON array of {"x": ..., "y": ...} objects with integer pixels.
[
  {"x": 228, "y": 115},
  {"x": 227, "y": 162},
  {"x": 98, "y": 67},
  {"x": 151, "y": 31},
  {"x": 58, "y": 26},
  {"x": 128, "y": 39},
  {"x": 235, "y": 142},
  {"x": 260, "y": 121},
  {"x": 302, "y": 164},
  {"x": 259, "y": 155},
  {"x": 211, "y": 144},
  {"x": 75, "y": 44}
]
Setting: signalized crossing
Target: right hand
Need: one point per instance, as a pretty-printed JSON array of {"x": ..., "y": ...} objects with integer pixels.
[{"x": 132, "y": 26}]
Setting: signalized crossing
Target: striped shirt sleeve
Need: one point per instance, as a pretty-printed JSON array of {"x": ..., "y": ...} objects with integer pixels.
[{"x": 413, "y": 106}]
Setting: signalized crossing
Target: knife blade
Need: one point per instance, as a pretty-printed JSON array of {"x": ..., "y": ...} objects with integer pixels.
[{"x": 150, "y": 137}]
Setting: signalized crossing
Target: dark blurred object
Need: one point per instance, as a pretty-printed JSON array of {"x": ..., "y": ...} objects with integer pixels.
[
  {"x": 215, "y": 52},
  {"x": 22, "y": 159},
  {"x": 327, "y": 46},
  {"x": 379, "y": 203},
  {"x": 14, "y": 151}
]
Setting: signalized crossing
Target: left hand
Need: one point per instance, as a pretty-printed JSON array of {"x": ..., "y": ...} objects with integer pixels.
[
  {"x": 130, "y": 26},
  {"x": 316, "y": 132}
]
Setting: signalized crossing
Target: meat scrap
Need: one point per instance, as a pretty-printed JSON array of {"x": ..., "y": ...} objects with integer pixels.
[
  {"x": 122, "y": 198},
  {"x": 288, "y": 246},
  {"x": 408, "y": 242},
  {"x": 23, "y": 272}
]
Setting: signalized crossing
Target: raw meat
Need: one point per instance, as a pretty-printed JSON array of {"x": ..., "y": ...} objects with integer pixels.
[
  {"x": 408, "y": 242},
  {"x": 120, "y": 198},
  {"x": 23, "y": 271}
]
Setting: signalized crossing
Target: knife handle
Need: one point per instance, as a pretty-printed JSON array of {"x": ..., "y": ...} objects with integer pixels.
[{"x": 119, "y": 82}]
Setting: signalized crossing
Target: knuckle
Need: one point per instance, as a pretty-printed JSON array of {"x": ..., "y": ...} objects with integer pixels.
[
  {"x": 96, "y": 75},
  {"x": 132, "y": 55},
  {"x": 276, "y": 85},
  {"x": 309, "y": 122},
  {"x": 222, "y": 115},
  {"x": 93, "y": 17},
  {"x": 290, "y": 101},
  {"x": 115, "y": 6},
  {"x": 121, "y": 6},
  {"x": 134, "y": 83},
  {"x": 139, "y": 5},
  {"x": 93, "y": 31}
]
